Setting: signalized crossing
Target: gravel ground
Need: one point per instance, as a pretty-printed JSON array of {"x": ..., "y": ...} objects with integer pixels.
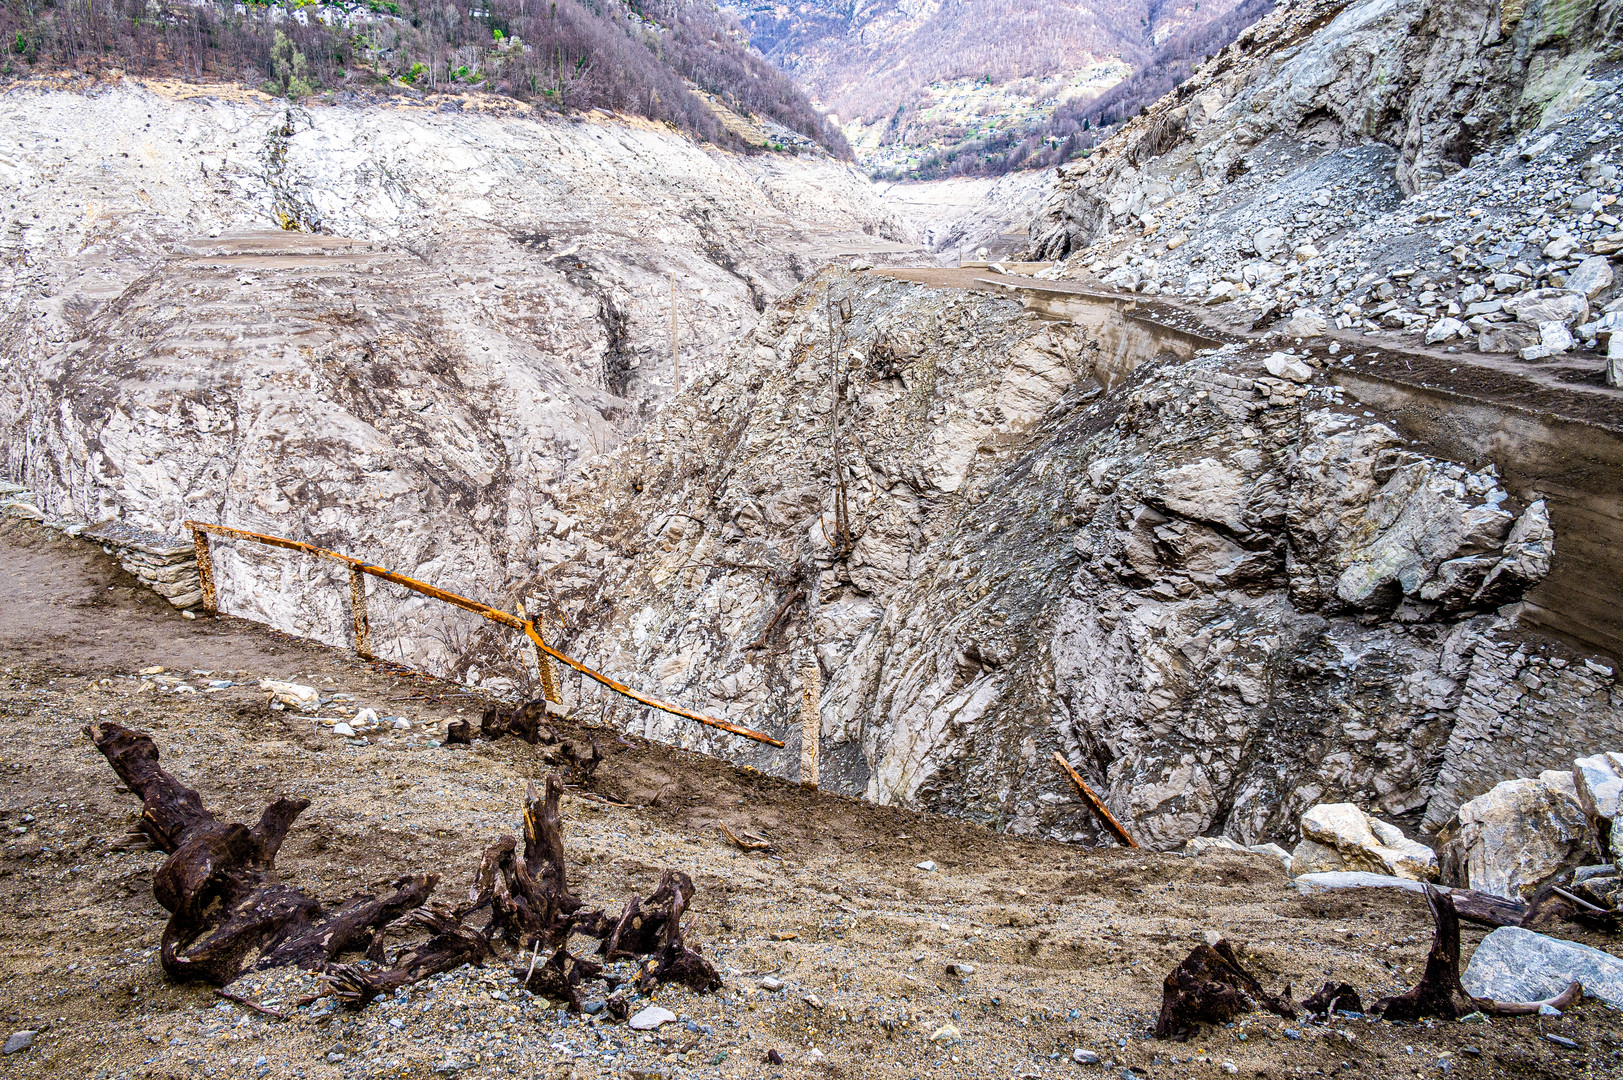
[{"x": 840, "y": 954}]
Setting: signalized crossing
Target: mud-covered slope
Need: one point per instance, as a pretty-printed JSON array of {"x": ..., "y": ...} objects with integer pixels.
[
  {"x": 1227, "y": 596},
  {"x": 385, "y": 327}
]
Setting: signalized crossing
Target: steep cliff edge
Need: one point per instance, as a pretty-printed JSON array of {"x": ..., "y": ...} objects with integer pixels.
[{"x": 1229, "y": 595}]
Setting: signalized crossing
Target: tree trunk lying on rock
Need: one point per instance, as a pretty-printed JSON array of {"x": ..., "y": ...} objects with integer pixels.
[{"x": 228, "y": 911}]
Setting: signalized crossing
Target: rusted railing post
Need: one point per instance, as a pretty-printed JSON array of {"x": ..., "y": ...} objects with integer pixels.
[
  {"x": 811, "y": 722},
  {"x": 205, "y": 571},
  {"x": 357, "y": 613}
]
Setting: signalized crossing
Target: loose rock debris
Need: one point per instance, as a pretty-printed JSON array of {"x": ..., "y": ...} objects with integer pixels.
[{"x": 229, "y": 913}]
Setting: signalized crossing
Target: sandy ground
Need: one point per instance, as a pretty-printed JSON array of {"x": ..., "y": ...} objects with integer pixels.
[{"x": 1065, "y": 948}]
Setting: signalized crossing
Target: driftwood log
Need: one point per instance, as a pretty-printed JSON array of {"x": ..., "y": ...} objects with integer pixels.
[
  {"x": 1439, "y": 992},
  {"x": 1211, "y": 986},
  {"x": 228, "y": 912}
]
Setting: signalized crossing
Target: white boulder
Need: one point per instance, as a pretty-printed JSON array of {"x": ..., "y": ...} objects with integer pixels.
[
  {"x": 1285, "y": 366},
  {"x": 1339, "y": 836}
]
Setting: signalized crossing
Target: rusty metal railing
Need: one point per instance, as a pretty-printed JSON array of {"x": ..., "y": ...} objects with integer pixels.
[{"x": 359, "y": 570}]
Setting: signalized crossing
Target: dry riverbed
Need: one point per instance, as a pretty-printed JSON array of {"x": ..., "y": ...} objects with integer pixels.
[{"x": 840, "y": 954}]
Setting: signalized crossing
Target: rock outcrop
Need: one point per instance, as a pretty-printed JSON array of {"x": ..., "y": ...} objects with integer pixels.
[{"x": 1226, "y": 596}]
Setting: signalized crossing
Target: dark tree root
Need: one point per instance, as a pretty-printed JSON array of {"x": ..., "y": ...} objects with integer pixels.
[
  {"x": 527, "y": 722},
  {"x": 226, "y": 908},
  {"x": 1439, "y": 992},
  {"x": 229, "y": 913},
  {"x": 459, "y": 733},
  {"x": 1333, "y": 997},
  {"x": 1212, "y": 987}
]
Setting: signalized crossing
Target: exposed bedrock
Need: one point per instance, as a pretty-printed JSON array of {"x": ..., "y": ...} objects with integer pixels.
[
  {"x": 1225, "y": 595},
  {"x": 388, "y": 327}
]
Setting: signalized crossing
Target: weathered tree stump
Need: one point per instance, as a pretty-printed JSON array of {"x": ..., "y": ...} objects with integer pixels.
[{"x": 1212, "y": 987}]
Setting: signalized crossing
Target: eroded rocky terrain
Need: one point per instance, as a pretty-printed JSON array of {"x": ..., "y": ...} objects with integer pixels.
[{"x": 391, "y": 325}]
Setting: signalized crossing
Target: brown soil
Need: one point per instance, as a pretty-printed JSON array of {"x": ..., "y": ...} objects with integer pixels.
[{"x": 1068, "y": 946}]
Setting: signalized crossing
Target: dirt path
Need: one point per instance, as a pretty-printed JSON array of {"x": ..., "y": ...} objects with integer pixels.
[{"x": 1062, "y": 948}]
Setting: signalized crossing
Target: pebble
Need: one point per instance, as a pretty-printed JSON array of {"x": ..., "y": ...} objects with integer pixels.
[
  {"x": 1559, "y": 1040},
  {"x": 946, "y": 1033},
  {"x": 1230, "y": 1068},
  {"x": 651, "y": 1018},
  {"x": 772, "y": 983},
  {"x": 1084, "y": 1057},
  {"x": 343, "y": 729},
  {"x": 927, "y": 866},
  {"x": 18, "y": 1041}
]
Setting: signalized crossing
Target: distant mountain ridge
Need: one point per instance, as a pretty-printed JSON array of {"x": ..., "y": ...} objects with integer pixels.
[{"x": 914, "y": 81}]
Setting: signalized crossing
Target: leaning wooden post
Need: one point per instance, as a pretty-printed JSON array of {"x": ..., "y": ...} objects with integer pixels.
[
  {"x": 357, "y": 613},
  {"x": 1095, "y": 803},
  {"x": 811, "y": 722},
  {"x": 205, "y": 571}
]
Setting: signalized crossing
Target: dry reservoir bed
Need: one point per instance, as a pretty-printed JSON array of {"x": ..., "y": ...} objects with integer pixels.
[{"x": 840, "y": 955}]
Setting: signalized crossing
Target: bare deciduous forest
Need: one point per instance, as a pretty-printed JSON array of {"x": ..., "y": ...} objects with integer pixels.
[{"x": 635, "y": 58}]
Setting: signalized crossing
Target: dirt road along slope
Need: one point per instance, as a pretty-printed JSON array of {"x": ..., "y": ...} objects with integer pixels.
[{"x": 1055, "y": 948}]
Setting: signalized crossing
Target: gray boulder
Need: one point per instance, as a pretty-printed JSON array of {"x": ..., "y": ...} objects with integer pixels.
[
  {"x": 1513, "y": 964},
  {"x": 1592, "y": 277},
  {"x": 1598, "y": 784}
]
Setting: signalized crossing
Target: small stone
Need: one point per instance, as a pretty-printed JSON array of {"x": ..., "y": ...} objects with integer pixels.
[
  {"x": 1561, "y": 1040},
  {"x": 772, "y": 983},
  {"x": 344, "y": 730},
  {"x": 1592, "y": 277},
  {"x": 1560, "y": 247},
  {"x": 334, "y": 1058},
  {"x": 593, "y": 1007},
  {"x": 959, "y": 967},
  {"x": 1230, "y": 1068},
  {"x": 927, "y": 866},
  {"x": 18, "y": 1041},
  {"x": 1211, "y": 937},
  {"x": 1546, "y": 1009},
  {"x": 1445, "y": 329},
  {"x": 813, "y": 1000},
  {"x": 1084, "y": 1057},
  {"x": 774, "y": 1058},
  {"x": 651, "y": 1018},
  {"x": 946, "y": 1033}
]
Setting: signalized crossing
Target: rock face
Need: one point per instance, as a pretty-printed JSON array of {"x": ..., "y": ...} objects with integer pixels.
[
  {"x": 1339, "y": 836},
  {"x": 1174, "y": 582},
  {"x": 1512, "y": 964},
  {"x": 1521, "y": 834},
  {"x": 1299, "y": 176},
  {"x": 387, "y": 328}
]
